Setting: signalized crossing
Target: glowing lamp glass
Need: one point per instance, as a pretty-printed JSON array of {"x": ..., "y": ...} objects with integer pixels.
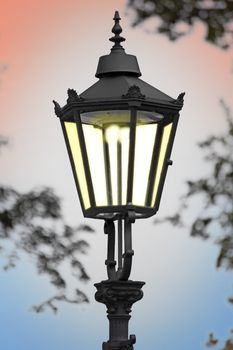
[{"x": 119, "y": 160}]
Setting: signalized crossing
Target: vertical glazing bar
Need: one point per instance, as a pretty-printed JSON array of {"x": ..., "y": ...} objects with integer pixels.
[
  {"x": 119, "y": 172},
  {"x": 120, "y": 244},
  {"x": 153, "y": 166},
  {"x": 85, "y": 158},
  {"x": 107, "y": 169},
  {"x": 132, "y": 139}
]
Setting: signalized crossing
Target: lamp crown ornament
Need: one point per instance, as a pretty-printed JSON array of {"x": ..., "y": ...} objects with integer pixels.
[
  {"x": 180, "y": 98},
  {"x": 118, "y": 61},
  {"x": 116, "y": 29},
  {"x": 57, "y": 108},
  {"x": 73, "y": 96},
  {"x": 134, "y": 92}
]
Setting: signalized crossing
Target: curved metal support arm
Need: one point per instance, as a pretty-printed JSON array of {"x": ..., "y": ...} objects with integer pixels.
[
  {"x": 109, "y": 229},
  {"x": 123, "y": 273},
  {"x": 128, "y": 251}
]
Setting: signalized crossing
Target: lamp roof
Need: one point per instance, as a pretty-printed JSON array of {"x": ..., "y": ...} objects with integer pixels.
[
  {"x": 118, "y": 83},
  {"x": 119, "y": 74},
  {"x": 116, "y": 87}
]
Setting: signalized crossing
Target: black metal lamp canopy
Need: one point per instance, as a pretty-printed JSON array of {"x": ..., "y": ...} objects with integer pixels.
[{"x": 119, "y": 135}]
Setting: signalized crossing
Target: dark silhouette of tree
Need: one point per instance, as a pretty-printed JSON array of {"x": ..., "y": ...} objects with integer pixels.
[
  {"x": 216, "y": 191},
  {"x": 3, "y": 141},
  {"x": 3, "y": 68},
  {"x": 212, "y": 342},
  {"x": 214, "y": 220},
  {"x": 33, "y": 223},
  {"x": 175, "y": 18}
]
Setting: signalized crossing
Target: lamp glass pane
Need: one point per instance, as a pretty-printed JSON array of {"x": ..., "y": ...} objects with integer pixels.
[
  {"x": 117, "y": 138},
  {"x": 145, "y": 138},
  {"x": 163, "y": 148},
  {"x": 106, "y": 136},
  {"x": 72, "y": 135},
  {"x": 94, "y": 146}
]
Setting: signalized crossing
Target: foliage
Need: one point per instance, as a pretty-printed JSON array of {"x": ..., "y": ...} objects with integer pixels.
[
  {"x": 213, "y": 341},
  {"x": 32, "y": 223},
  {"x": 3, "y": 68},
  {"x": 3, "y": 141},
  {"x": 175, "y": 18},
  {"x": 215, "y": 218}
]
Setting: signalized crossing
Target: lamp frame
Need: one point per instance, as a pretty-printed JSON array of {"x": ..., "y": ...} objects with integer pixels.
[{"x": 72, "y": 111}]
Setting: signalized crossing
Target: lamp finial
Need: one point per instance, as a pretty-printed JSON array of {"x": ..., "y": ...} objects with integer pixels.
[{"x": 116, "y": 29}]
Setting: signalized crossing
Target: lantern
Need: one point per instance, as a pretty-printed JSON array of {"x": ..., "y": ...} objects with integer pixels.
[{"x": 119, "y": 135}]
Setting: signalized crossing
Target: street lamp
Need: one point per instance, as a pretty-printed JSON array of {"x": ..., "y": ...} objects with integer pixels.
[{"x": 119, "y": 135}]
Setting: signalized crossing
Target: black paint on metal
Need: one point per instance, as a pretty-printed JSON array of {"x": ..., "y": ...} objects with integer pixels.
[
  {"x": 119, "y": 172},
  {"x": 132, "y": 139},
  {"x": 120, "y": 245},
  {"x": 119, "y": 296}
]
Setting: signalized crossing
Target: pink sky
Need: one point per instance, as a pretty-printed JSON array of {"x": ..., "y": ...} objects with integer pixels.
[{"x": 50, "y": 46}]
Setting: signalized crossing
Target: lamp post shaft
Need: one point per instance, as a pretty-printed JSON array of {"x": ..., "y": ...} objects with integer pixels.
[{"x": 118, "y": 327}]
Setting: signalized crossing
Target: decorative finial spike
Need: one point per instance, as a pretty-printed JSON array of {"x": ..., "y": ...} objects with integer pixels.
[
  {"x": 73, "y": 96},
  {"x": 117, "y": 39},
  {"x": 57, "y": 108},
  {"x": 117, "y": 16},
  {"x": 180, "y": 98}
]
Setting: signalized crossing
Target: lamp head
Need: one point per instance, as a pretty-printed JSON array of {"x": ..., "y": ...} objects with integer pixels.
[{"x": 119, "y": 135}]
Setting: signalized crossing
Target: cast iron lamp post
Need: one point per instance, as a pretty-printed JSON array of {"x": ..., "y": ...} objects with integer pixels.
[{"x": 119, "y": 135}]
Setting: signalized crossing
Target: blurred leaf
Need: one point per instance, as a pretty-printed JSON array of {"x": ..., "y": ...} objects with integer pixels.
[
  {"x": 214, "y": 220},
  {"x": 212, "y": 341},
  {"x": 33, "y": 223},
  {"x": 175, "y": 18}
]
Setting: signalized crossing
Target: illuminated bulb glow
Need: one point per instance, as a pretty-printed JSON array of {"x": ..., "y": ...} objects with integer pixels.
[
  {"x": 124, "y": 139},
  {"x": 115, "y": 135}
]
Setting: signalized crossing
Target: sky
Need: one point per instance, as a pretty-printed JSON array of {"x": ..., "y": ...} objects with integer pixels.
[{"x": 47, "y": 47}]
